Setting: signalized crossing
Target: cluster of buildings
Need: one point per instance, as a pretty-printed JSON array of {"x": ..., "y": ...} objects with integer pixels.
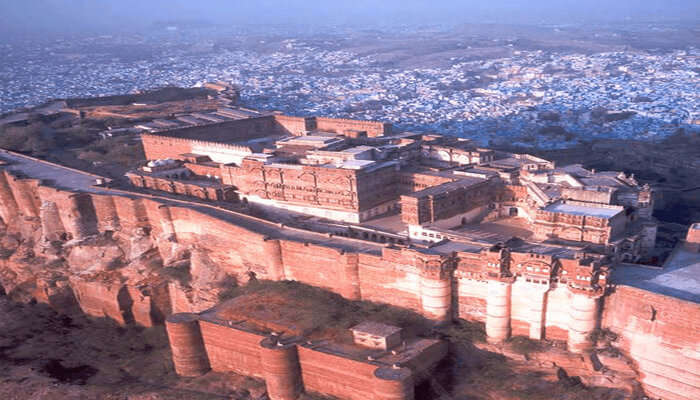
[
  {"x": 626, "y": 94},
  {"x": 535, "y": 240},
  {"x": 422, "y": 187}
]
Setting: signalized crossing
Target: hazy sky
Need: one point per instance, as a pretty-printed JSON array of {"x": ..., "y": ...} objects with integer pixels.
[{"x": 41, "y": 16}]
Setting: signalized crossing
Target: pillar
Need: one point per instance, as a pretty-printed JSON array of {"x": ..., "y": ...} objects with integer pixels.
[
  {"x": 281, "y": 370},
  {"x": 186, "y": 343},
  {"x": 436, "y": 297},
  {"x": 582, "y": 321},
  {"x": 80, "y": 223},
  {"x": 392, "y": 383},
  {"x": 24, "y": 196},
  {"x": 273, "y": 254},
  {"x": 51, "y": 225},
  {"x": 350, "y": 288},
  {"x": 166, "y": 222},
  {"x": 537, "y": 298},
  {"x": 8, "y": 206},
  {"x": 106, "y": 210},
  {"x": 498, "y": 310}
]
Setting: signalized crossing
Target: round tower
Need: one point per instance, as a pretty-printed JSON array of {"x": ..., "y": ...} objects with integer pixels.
[
  {"x": 189, "y": 356},
  {"x": 436, "y": 288},
  {"x": 582, "y": 321},
  {"x": 393, "y": 383},
  {"x": 273, "y": 254},
  {"x": 498, "y": 310},
  {"x": 436, "y": 298},
  {"x": 280, "y": 365}
]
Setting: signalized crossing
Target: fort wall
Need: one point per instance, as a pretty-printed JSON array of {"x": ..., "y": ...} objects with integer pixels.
[
  {"x": 342, "y": 126},
  {"x": 657, "y": 331},
  {"x": 200, "y": 343},
  {"x": 296, "y": 126},
  {"x": 661, "y": 334},
  {"x": 187, "y": 345},
  {"x": 9, "y": 209},
  {"x": 232, "y": 350}
]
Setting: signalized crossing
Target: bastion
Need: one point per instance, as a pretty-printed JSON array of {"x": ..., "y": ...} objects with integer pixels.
[{"x": 296, "y": 346}]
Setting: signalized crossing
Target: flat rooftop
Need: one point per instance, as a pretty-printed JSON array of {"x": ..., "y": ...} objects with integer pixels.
[
  {"x": 315, "y": 141},
  {"x": 587, "y": 211},
  {"x": 680, "y": 276},
  {"x": 463, "y": 183},
  {"x": 375, "y": 328},
  {"x": 496, "y": 231}
]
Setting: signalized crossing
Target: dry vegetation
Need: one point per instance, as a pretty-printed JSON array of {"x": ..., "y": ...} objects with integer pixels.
[
  {"x": 314, "y": 311},
  {"x": 45, "y": 355}
]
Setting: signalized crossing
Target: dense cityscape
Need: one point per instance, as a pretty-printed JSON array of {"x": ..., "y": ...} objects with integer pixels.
[{"x": 525, "y": 96}]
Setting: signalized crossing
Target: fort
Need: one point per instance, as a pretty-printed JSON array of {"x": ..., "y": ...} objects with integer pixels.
[{"x": 424, "y": 222}]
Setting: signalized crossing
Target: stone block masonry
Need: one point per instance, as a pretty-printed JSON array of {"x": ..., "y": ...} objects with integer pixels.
[
  {"x": 288, "y": 365},
  {"x": 659, "y": 332}
]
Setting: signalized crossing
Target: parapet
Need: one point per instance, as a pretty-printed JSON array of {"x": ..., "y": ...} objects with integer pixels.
[{"x": 393, "y": 383}]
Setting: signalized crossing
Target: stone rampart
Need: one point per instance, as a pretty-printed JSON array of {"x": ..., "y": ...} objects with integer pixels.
[
  {"x": 289, "y": 368},
  {"x": 659, "y": 332}
]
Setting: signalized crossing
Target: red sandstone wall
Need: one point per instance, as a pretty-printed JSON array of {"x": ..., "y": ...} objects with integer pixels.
[
  {"x": 312, "y": 264},
  {"x": 342, "y": 125},
  {"x": 232, "y": 349},
  {"x": 99, "y": 300},
  {"x": 159, "y": 147},
  {"x": 204, "y": 169},
  {"x": 471, "y": 300},
  {"x": 659, "y": 332},
  {"x": 390, "y": 279},
  {"x": 228, "y": 246},
  {"x": 336, "y": 376},
  {"x": 662, "y": 335},
  {"x": 8, "y": 206},
  {"x": 296, "y": 126}
]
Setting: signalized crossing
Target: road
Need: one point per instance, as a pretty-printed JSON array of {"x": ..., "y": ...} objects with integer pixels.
[{"x": 74, "y": 180}]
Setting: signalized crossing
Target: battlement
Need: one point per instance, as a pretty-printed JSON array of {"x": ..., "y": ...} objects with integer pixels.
[{"x": 263, "y": 342}]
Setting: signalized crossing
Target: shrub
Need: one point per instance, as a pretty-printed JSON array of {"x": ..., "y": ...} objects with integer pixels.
[
  {"x": 462, "y": 331},
  {"x": 523, "y": 345}
]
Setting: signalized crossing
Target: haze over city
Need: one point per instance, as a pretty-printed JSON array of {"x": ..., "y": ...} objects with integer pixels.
[{"x": 35, "y": 16}]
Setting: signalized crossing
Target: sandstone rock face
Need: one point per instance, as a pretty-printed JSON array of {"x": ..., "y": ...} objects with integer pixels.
[
  {"x": 95, "y": 258},
  {"x": 106, "y": 256}
]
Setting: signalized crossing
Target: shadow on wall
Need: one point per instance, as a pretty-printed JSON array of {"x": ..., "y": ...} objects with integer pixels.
[{"x": 470, "y": 372}]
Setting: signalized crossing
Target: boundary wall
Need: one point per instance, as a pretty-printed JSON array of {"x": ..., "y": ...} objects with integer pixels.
[
  {"x": 659, "y": 332},
  {"x": 290, "y": 366}
]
